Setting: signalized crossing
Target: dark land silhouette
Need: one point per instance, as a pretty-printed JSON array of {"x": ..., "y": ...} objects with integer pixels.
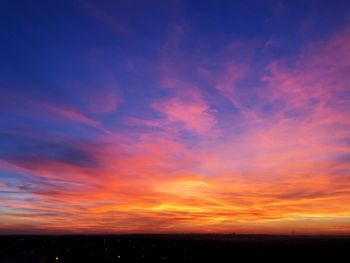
[{"x": 174, "y": 248}]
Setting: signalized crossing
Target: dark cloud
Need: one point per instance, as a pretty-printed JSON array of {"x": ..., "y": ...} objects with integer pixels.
[{"x": 31, "y": 149}]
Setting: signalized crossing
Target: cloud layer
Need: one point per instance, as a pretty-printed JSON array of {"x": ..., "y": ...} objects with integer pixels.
[{"x": 197, "y": 137}]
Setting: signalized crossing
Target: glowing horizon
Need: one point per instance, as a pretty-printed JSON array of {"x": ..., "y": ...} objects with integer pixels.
[{"x": 173, "y": 118}]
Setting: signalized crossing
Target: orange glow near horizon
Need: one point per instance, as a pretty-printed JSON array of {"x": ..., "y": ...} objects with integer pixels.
[{"x": 204, "y": 152}]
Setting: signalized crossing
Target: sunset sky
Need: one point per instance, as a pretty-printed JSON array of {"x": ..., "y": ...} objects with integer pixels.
[{"x": 175, "y": 116}]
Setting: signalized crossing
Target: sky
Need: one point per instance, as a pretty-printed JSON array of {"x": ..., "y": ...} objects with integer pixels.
[{"x": 175, "y": 117}]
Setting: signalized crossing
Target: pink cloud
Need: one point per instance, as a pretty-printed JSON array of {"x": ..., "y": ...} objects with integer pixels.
[
  {"x": 226, "y": 84},
  {"x": 194, "y": 116},
  {"x": 321, "y": 72},
  {"x": 102, "y": 100},
  {"x": 73, "y": 115},
  {"x": 187, "y": 107}
]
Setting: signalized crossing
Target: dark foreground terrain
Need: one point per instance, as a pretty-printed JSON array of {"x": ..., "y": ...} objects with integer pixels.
[{"x": 174, "y": 248}]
